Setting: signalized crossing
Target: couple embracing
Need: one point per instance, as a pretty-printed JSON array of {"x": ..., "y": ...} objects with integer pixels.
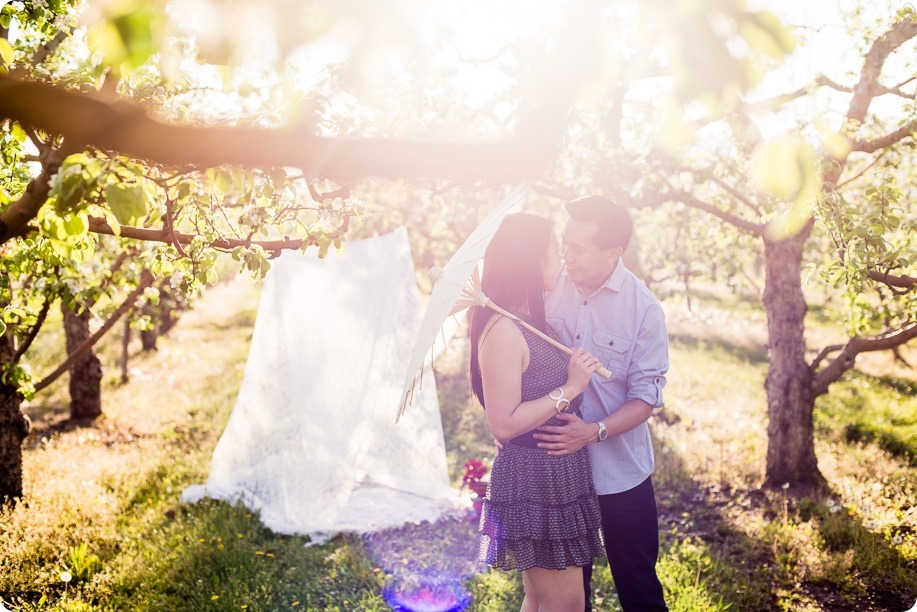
[{"x": 572, "y": 478}]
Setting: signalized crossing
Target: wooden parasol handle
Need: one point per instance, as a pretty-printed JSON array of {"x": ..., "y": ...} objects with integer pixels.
[{"x": 602, "y": 371}]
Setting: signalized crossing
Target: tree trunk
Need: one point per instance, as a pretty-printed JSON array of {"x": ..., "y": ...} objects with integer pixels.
[
  {"x": 169, "y": 318},
  {"x": 148, "y": 339},
  {"x": 86, "y": 373},
  {"x": 789, "y": 385},
  {"x": 14, "y": 427},
  {"x": 125, "y": 345}
]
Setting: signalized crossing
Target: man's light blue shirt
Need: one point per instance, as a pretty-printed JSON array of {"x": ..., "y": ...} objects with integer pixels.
[{"x": 623, "y": 325}]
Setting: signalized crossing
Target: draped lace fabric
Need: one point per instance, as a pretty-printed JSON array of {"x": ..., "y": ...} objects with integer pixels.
[
  {"x": 540, "y": 511},
  {"x": 312, "y": 443}
]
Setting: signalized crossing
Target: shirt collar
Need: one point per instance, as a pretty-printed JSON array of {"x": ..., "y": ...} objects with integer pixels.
[{"x": 614, "y": 282}]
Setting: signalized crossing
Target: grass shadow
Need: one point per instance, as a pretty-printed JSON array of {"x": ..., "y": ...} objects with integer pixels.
[
  {"x": 872, "y": 409},
  {"x": 702, "y": 527},
  {"x": 866, "y": 570}
]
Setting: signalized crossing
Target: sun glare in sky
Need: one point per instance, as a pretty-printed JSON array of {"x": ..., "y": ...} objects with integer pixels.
[{"x": 447, "y": 69}]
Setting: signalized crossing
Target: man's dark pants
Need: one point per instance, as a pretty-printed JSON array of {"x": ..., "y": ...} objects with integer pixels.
[{"x": 631, "y": 530}]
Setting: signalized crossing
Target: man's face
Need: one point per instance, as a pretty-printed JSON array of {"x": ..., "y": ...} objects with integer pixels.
[{"x": 586, "y": 264}]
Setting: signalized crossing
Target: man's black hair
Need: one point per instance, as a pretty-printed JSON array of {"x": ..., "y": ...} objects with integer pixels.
[{"x": 615, "y": 227}]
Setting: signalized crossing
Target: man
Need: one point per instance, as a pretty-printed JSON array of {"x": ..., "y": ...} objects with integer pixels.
[{"x": 600, "y": 305}]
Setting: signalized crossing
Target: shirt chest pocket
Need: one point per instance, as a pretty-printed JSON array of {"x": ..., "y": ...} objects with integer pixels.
[{"x": 614, "y": 352}]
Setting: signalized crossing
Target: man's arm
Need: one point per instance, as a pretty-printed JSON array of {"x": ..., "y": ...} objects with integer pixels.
[
  {"x": 576, "y": 433},
  {"x": 645, "y": 380}
]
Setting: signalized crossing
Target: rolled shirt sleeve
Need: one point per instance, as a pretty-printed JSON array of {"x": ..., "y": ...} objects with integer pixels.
[{"x": 650, "y": 360}]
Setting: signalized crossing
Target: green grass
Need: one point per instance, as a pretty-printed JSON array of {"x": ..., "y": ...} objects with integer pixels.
[
  {"x": 115, "y": 525},
  {"x": 876, "y": 410}
]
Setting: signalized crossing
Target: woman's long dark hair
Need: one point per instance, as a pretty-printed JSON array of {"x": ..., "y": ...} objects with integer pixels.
[{"x": 513, "y": 279}]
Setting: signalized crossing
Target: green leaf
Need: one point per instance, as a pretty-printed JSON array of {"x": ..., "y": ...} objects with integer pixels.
[
  {"x": 136, "y": 31},
  {"x": 6, "y": 52},
  {"x": 127, "y": 202},
  {"x": 53, "y": 227},
  {"x": 221, "y": 179},
  {"x": 112, "y": 221},
  {"x": 2, "y": 327},
  {"x": 76, "y": 225},
  {"x": 787, "y": 169},
  {"x": 183, "y": 190},
  {"x": 13, "y": 314},
  {"x": 62, "y": 249},
  {"x": 69, "y": 187},
  {"x": 106, "y": 40},
  {"x": 764, "y": 32},
  {"x": 18, "y": 133}
]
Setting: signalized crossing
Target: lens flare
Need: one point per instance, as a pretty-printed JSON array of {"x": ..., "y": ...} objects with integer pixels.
[
  {"x": 427, "y": 565},
  {"x": 427, "y": 597}
]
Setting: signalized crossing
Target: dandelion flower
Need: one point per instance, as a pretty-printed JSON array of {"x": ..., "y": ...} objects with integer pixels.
[
  {"x": 898, "y": 539},
  {"x": 214, "y": 597},
  {"x": 65, "y": 577}
]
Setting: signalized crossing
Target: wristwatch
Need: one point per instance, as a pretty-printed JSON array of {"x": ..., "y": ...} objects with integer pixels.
[{"x": 603, "y": 431}]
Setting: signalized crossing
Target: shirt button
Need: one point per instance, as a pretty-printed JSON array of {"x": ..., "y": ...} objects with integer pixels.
[
  {"x": 577, "y": 336},
  {"x": 586, "y": 302},
  {"x": 611, "y": 343}
]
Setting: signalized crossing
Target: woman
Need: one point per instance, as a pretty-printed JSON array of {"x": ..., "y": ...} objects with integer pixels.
[{"x": 541, "y": 513}]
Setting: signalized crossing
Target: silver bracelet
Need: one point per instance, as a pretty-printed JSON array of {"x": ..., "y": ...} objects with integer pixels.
[{"x": 559, "y": 399}]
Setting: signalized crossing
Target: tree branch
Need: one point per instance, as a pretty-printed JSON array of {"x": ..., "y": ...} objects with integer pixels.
[
  {"x": 849, "y": 351},
  {"x": 122, "y": 257},
  {"x": 741, "y": 197},
  {"x": 868, "y": 87},
  {"x": 128, "y": 130},
  {"x": 870, "y": 146},
  {"x": 676, "y": 195},
  {"x": 824, "y": 353},
  {"x": 169, "y": 237},
  {"x": 45, "y": 51},
  {"x": 862, "y": 172},
  {"x": 15, "y": 219},
  {"x": 33, "y": 331},
  {"x": 903, "y": 282},
  {"x": 146, "y": 279}
]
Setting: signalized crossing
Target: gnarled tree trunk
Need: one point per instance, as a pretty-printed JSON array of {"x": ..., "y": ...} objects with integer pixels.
[
  {"x": 789, "y": 385},
  {"x": 13, "y": 429},
  {"x": 86, "y": 372}
]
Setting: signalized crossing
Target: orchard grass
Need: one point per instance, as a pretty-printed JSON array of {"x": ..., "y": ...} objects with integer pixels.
[
  {"x": 101, "y": 505},
  {"x": 114, "y": 486}
]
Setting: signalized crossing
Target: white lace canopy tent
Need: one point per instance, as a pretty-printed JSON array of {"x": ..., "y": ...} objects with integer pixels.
[{"x": 312, "y": 442}]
